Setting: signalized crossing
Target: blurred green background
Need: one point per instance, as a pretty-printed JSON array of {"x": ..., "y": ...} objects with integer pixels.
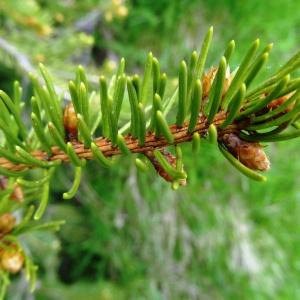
[{"x": 128, "y": 235}]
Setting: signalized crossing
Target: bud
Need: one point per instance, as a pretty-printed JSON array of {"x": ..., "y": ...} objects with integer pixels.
[
  {"x": 249, "y": 154},
  {"x": 7, "y": 223},
  {"x": 160, "y": 170},
  {"x": 279, "y": 101},
  {"x": 70, "y": 122},
  {"x": 17, "y": 194},
  {"x": 208, "y": 78},
  {"x": 11, "y": 260}
]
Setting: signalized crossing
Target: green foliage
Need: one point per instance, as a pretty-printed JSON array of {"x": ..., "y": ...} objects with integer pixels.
[
  {"x": 238, "y": 107},
  {"x": 134, "y": 243}
]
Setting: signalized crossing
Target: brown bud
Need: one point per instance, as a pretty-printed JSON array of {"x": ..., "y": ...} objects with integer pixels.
[
  {"x": 7, "y": 223},
  {"x": 279, "y": 101},
  {"x": 17, "y": 194},
  {"x": 11, "y": 259},
  {"x": 208, "y": 78},
  {"x": 70, "y": 122},
  {"x": 160, "y": 170},
  {"x": 249, "y": 154}
]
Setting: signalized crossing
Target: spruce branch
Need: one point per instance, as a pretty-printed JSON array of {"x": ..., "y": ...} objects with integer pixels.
[
  {"x": 179, "y": 135},
  {"x": 220, "y": 106},
  {"x": 210, "y": 105}
]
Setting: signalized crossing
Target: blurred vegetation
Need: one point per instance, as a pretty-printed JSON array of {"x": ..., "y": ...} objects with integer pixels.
[{"x": 128, "y": 235}]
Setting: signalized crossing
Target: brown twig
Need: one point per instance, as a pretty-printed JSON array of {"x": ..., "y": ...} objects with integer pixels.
[{"x": 180, "y": 135}]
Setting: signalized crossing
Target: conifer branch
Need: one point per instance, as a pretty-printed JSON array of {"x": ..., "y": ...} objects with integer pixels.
[
  {"x": 219, "y": 106},
  {"x": 179, "y": 134}
]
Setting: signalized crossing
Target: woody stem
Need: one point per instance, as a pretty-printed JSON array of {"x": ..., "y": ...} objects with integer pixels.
[{"x": 180, "y": 135}]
